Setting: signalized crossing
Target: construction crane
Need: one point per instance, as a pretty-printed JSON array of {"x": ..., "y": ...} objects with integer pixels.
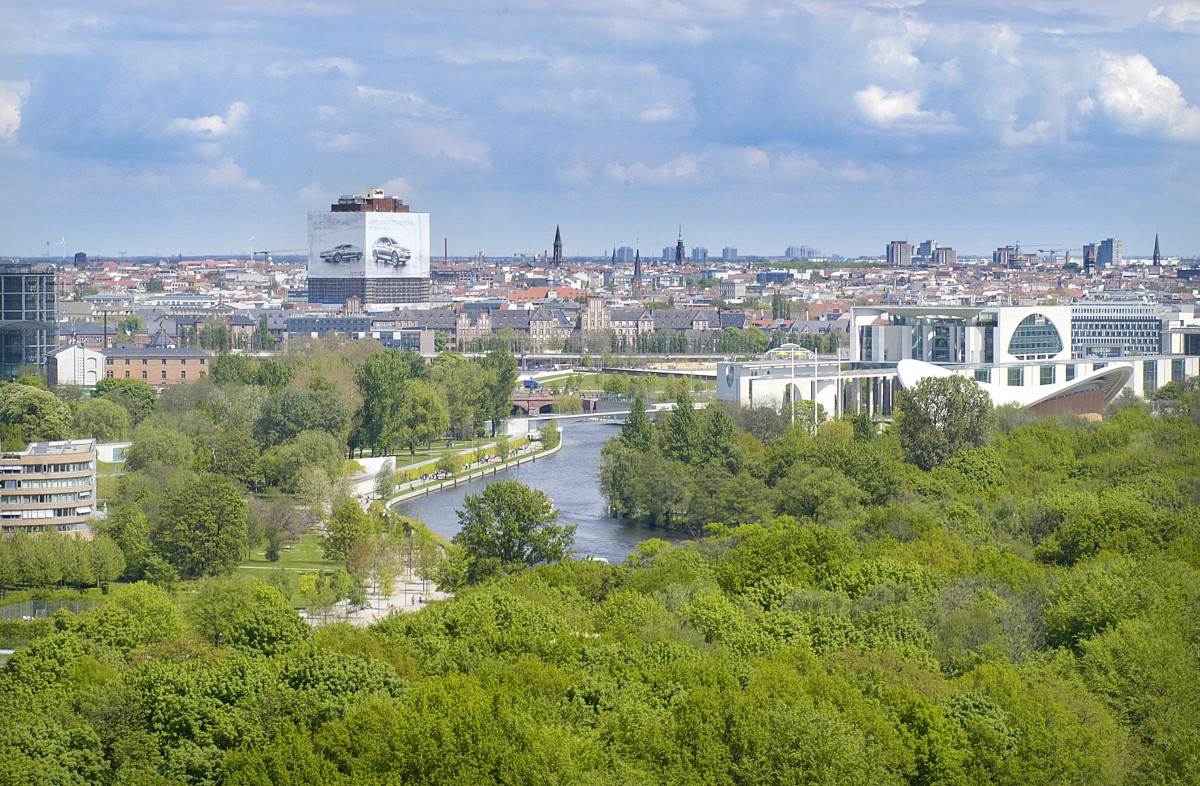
[{"x": 1052, "y": 250}]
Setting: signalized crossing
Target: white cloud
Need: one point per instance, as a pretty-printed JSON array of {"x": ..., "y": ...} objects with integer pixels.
[
  {"x": 1137, "y": 99},
  {"x": 659, "y": 113},
  {"x": 339, "y": 143},
  {"x": 397, "y": 186},
  {"x": 211, "y": 125},
  {"x": 681, "y": 169},
  {"x": 1178, "y": 16},
  {"x": 227, "y": 174},
  {"x": 311, "y": 192},
  {"x": 489, "y": 53},
  {"x": 404, "y": 103},
  {"x": 12, "y": 96},
  {"x": 576, "y": 174},
  {"x": 445, "y": 141},
  {"x": 331, "y": 66},
  {"x": 885, "y": 108},
  {"x": 1037, "y": 132}
]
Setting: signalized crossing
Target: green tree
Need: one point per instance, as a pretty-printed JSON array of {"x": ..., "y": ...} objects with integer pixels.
[
  {"x": 130, "y": 528},
  {"x": 567, "y": 404},
  {"x": 422, "y": 416},
  {"x": 682, "y": 438},
  {"x": 292, "y": 410},
  {"x": 202, "y": 531},
  {"x": 136, "y": 396},
  {"x": 507, "y": 528},
  {"x": 263, "y": 338},
  {"x": 501, "y": 369},
  {"x": 385, "y": 480},
  {"x": 940, "y": 416},
  {"x": 285, "y": 466},
  {"x": 461, "y": 386},
  {"x": 155, "y": 446},
  {"x": 30, "y": 414},
  {"x": 279, "y": 522},
  {"x": 102, "y": 420},
  {"x": 381, "y": 381},
  {"x": 638, "y": 432},
  {"x": 347, "y": 527},
  {"x": 720, "y": 445}
]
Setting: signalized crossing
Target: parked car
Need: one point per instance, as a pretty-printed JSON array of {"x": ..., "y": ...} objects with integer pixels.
[
  {"x": 387, "y": 251},
  {"x": 343, "y": 253}
]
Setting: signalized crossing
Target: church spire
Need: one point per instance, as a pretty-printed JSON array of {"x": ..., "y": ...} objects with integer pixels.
[
  {"x": 679, "y": 255},
  {"x": 637, "y": 267},
  {"x": 558, "y": 258},
  {"x": 1157, "y": 255}
]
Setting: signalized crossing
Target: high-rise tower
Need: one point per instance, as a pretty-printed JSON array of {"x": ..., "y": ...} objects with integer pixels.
[
  {"x": 557, "y": 248},
  {"x": 370, "y": 248}
]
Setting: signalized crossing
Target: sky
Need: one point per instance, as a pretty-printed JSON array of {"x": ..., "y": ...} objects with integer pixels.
[{"x": 160, "y": 127}]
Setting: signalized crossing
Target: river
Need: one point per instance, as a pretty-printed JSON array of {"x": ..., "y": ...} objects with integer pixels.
[{"x": 571, "y": 478}]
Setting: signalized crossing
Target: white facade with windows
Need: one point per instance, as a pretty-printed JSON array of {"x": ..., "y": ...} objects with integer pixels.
[{"x": 49, "y": 487}]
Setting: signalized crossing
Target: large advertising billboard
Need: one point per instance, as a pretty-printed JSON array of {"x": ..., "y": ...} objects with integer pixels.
[{"x": 368, "y": 245}]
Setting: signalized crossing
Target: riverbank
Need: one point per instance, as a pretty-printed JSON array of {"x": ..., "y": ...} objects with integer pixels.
[
  {"x": 570, "y": 476},
  {"x": 418, "y": 490}
]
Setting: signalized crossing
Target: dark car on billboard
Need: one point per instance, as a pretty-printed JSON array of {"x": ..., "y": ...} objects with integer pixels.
[
  {"x": 387, "y": 251},
  {"x": 343, "y": 253}
]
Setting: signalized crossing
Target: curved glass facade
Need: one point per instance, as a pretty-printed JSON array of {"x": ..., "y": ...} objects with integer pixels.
[{"x": 1035, "y": 337}]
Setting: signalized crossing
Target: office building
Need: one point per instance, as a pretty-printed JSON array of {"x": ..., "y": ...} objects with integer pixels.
[
  {"x": 699, "y": 254},
  {"x": 945, "y": 256},
  {"x": 27, "y": 324},
  {"x": 48, "y": 487},
  {"x": 926, "y": 249},
  {"x": 1114, "y": 330},
  {"x": 1109, "y": 253},
  {"x": 371, "y": 248},
  {"x": 729, "y": 252},
  {"x": 899, "y": 253},
  {"x": 623, "y": 254}
]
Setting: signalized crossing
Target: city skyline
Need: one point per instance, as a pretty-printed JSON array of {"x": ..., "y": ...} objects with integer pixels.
[{"x": 154, "y": 130}]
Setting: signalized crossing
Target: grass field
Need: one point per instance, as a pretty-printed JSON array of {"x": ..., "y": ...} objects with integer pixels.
[{"x": 303, "y": 555}]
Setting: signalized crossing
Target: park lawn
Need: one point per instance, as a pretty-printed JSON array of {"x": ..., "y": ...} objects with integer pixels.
[
  {"x": 302, "y": 555},
  {"x": 109, "y": 467},
  {"x": 106, "y": 488}
]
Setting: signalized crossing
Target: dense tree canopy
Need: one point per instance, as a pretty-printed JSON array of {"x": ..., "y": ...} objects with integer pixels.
[
  {"x": 940, "y": 416},
  {"x": 1024, "y": 611},
  {"x": 507, "y": 528}
]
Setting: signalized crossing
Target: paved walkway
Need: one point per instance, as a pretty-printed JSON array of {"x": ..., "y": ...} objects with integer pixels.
[{"x": 409, "y": 594}]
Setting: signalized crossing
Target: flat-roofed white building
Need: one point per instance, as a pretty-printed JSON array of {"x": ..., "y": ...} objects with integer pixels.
[{"x": 48, "y": 487}]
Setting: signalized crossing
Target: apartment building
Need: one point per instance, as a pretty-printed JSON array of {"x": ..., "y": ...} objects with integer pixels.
[{"x": 48, "y": 487}]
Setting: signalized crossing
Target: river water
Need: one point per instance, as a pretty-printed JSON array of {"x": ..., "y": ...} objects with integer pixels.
[{"x": 571, "y": 478}]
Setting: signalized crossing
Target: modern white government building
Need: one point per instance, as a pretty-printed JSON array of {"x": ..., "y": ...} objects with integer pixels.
[{"x": 1051, "y": 359}]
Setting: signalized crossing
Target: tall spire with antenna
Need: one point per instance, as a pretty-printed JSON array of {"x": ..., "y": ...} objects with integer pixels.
[{"x": 679, "y": 255}]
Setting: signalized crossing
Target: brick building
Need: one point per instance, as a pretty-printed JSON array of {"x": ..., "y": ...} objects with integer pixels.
[{"x": 156, "y": 366}]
